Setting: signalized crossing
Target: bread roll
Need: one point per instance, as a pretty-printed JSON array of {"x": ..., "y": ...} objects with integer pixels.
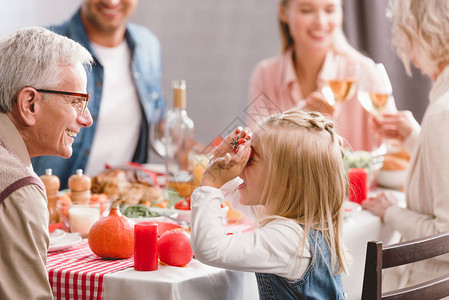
[
  {"x": 401, "y": 154},
  {"x": 392, "y": 162}
]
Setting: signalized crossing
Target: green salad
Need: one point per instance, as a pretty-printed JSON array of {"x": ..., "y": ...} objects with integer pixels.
[
  {"x": 358, "y": 159},
  {"x": 137, "y": 211}
]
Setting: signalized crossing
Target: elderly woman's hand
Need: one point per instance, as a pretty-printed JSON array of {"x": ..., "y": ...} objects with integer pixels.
[
  {"x": 379, "y": 204},
  {"x": 396, "y": 126},
  {"x": 317, "y": 102}
]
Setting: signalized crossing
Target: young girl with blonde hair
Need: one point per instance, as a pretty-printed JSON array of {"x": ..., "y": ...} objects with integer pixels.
[{"x": 294, "y": 183}]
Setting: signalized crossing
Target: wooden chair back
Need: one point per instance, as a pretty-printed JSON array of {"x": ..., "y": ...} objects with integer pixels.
[{"x": 379, "y": 258}]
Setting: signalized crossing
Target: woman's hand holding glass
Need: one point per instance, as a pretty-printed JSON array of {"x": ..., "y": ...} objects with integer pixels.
[{"x": 396, "y": 126}]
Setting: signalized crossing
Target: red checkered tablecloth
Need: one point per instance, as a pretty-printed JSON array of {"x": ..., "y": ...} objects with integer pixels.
[{"x": 77, "y": 273}]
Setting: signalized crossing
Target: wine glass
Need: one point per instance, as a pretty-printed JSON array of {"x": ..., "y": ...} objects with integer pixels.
[
  {"x": 375, "y": 94},
  {"x": 340, "y": 81},
  {"x": 157, "y": 138}
]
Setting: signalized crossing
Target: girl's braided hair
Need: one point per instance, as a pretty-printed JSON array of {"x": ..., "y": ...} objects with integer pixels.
[{"x": 306, "y": 119}]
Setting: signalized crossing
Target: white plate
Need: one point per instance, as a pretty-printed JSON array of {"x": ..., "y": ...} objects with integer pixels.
[
  {"x": 57, "y": 234},
  {"x": 349, "y": 208},
  {"x": 68, "y": 240},
  {"x": 183, "y": 215}
]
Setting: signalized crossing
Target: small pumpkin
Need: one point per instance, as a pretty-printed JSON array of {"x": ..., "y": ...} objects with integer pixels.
[{"x": 113, "y": 236}]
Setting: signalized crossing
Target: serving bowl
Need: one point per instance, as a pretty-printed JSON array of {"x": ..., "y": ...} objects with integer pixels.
[{"x": 393, "y": 179}]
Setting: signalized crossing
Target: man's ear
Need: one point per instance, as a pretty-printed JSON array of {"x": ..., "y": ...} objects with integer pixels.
[{"x": 28, "y": 104}]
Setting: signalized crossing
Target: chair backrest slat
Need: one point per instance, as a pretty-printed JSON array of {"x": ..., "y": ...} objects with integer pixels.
[
  {"x": 429, "y": 290},
  {"x": 379, "y": 258},
  {"x": 415, "y": 250}
]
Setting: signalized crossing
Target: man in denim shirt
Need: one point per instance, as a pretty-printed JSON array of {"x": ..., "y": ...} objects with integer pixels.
[{"x": 124, "y": 86}]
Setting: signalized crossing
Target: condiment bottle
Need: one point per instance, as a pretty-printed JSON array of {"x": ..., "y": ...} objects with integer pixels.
[
  {"x": 52, "y": 184},
  {"x": 79, "y": 185},
  {"x": 82, "y": 215}
]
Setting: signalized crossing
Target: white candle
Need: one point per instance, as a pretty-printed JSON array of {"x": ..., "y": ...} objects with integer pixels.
[{"x": 82, "y": 217}]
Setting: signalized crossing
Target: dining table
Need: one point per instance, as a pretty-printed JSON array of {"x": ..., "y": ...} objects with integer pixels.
[
  {"x": 76, "y": 272},
  {"x": 360, "y": 227}
]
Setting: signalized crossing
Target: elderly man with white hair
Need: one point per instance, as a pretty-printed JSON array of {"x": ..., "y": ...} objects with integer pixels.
[{"x": 42, "y": 109}]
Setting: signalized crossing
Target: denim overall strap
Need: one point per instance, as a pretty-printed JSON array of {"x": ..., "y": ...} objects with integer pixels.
[{"x": 318, "y": 282}]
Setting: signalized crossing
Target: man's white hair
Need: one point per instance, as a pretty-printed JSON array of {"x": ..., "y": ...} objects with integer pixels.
[{"x": 33, "y": 56}]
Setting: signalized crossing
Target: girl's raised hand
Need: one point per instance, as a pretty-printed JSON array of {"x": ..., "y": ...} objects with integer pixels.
[
  {"x": 226, "y": 165},
  {"x": 226, "y": 145}
]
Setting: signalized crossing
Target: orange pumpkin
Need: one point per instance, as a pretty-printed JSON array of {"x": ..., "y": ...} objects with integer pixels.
[{"x": 113, "y": 236}]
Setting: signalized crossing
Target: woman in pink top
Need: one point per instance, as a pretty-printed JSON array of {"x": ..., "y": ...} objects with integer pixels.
[{"x": 312, "y": 37}]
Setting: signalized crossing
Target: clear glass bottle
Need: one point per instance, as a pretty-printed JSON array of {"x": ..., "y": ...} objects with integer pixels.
[{"x": 179, "y": 140}]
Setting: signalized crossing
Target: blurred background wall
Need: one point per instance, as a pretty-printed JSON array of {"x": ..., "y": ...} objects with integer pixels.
[{"x": 215, "y": 44}]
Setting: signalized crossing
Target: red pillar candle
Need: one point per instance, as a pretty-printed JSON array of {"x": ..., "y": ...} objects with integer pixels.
[
  {"x": 145, "y": 246},
  {"x": 358, "y": 184}
]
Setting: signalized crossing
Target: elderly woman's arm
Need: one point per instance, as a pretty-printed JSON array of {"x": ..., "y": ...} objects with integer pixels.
[{"x": 431, "y": 215}]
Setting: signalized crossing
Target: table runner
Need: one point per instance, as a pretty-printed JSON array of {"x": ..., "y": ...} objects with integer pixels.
[{"x": 77, "y": 273}]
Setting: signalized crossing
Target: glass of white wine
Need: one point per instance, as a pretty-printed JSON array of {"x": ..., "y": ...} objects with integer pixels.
[
  {"x": 340, "y": 81},
  {"x": 375, "y": 94}
]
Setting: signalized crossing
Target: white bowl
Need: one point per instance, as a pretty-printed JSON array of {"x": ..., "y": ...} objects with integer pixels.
[
  {"x": 394, "y": 179},
  {"x": 186, "y": 215}
]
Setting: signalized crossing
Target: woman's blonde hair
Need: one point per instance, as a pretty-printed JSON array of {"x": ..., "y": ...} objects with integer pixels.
[
  {"x": 420, "y": 33},
  {"x": 340, "y": 43},
  {"x": 306, "y": 179}
]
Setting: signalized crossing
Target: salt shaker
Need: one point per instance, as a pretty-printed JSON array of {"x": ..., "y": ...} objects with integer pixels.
[
  {"x": 52, "y": 184},
  {"x": 79, "y": 185}
]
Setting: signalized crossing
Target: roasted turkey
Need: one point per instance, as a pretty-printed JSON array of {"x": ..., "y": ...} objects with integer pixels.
[{"x": 134, "y": 184}]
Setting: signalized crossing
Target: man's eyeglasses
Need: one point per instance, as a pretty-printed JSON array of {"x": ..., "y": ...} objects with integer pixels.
[{"x": 79, "y": 103}]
